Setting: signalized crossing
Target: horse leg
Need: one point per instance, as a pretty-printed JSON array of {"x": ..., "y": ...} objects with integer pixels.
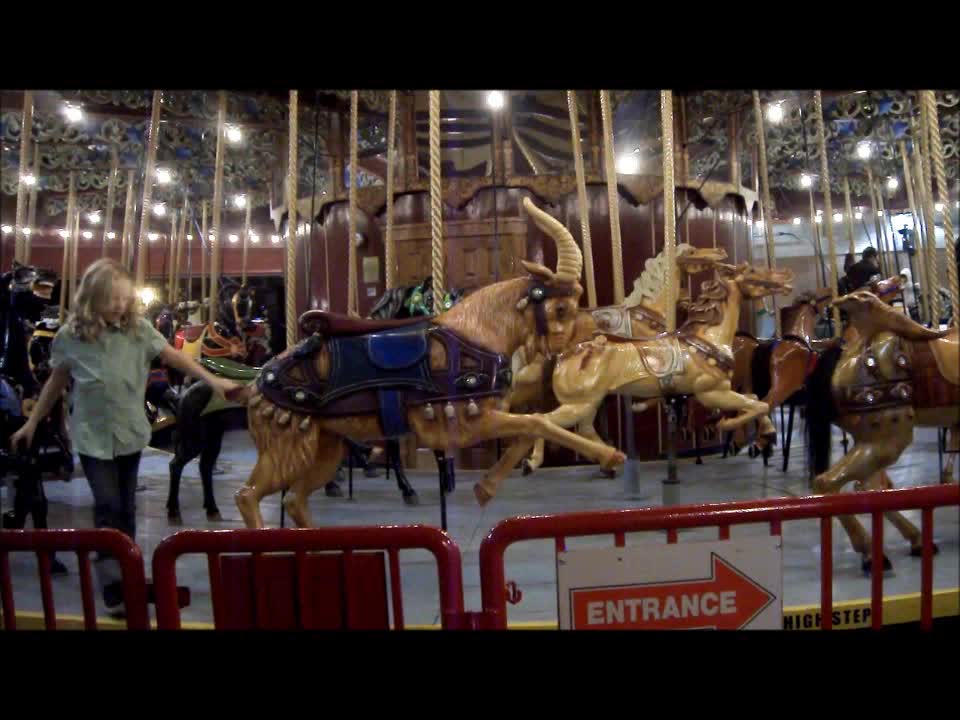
[
  {"x": 486, "y": 488},
  {"x": 953, "y": 447},
  {"x": 536, "y": 457},
  {"x": 177, "y": 463},
  {"x": 331, "y": 449},
  {"x": 909, "y": 531},
  {"x": 727, "y": 401},
  {"x": 410, "y": 496},
  {"x": 208, "y": 459}
]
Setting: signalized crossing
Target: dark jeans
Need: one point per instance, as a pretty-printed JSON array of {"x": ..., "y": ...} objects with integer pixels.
[{"x": 114, "y": 485}]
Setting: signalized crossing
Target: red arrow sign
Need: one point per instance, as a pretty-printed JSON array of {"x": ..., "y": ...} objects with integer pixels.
[{"x": 727, "y": 600}]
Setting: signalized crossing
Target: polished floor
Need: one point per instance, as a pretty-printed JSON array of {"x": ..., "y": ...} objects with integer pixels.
[{"x": 531, "y": 565}]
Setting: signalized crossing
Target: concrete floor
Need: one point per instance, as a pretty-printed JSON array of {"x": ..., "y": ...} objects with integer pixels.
[{"x": 531, "y": 565}]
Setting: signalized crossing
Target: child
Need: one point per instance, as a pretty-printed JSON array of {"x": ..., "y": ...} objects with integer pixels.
[{"x": 106, "y": 347}]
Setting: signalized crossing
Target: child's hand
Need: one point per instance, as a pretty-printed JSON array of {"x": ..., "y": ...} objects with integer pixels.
[{"x": 228, "y": 388}]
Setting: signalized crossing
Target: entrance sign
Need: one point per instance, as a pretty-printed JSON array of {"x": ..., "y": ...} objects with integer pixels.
[{"x": 724, "y": 585}]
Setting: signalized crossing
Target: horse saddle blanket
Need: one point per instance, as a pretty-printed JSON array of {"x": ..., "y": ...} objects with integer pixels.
[
  {"x": 936, "y": 375},
  {"x": 613, "y": 321},
  {"x": 660, "y": 356}
]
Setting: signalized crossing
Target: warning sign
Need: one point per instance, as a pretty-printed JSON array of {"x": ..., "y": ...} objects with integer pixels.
[{"x": 727, "y": 585}]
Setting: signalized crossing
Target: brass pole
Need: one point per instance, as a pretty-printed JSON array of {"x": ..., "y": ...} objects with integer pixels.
[
  {"x": 353, "y": 299},
  {"x": 766, "y": 204},
  {"x": 148, "y": 188},
  {"x": 436, "y": 204},
  {"x": 291, "y": 274},
  {"x": 216, "y": 239},
  {"x": 613, "y": 198},
  {"x": 32, "y": 206},
  {"x": 390, "y": 258},
  {"x": 587, "y": 241},
  {"x": 26, "y": 128},
  {"x": 111, "y": 197}
]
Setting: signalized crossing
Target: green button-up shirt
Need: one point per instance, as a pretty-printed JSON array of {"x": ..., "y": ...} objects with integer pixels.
[{"x": 109, "y": 383}]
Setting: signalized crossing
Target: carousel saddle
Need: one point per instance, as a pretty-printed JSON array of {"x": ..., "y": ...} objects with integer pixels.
[
  {"x": 192, "y": 333},
  {"x": 230, "y": 369},
  {"x": 334, "y": 324},
  {"x": 661, "y": 355}
]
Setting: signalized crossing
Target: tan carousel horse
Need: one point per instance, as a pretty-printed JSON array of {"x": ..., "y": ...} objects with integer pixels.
[
  {"x": 891, "y": 375},
  {"x": 443, "y": 378},
  {"x": 642, "y": 314},
  {"x": 696, "y": 360}
]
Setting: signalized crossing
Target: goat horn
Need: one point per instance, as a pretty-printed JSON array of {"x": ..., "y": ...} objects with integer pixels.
[{"x": 569, "y": 257}]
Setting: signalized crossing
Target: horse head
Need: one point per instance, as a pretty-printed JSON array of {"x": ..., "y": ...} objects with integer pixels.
[
  {"x": 693, "y": 260},
  {"x": 886, "y": 289},
  {"x": 868, "y": 315},
  {"x": 549, "y": 305},
  {"x": 757, "y": 282}
]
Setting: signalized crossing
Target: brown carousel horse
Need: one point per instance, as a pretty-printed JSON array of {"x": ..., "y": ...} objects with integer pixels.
[
  {"x": 776, "y": 369},
  {"x": 642, "y": 314},
  {"x": 442, "y": 378},
  {"x": 696, "y": 360},
  {"x": 890, "y": 375}
]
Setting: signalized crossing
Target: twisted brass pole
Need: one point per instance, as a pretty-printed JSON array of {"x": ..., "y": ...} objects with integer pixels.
[
  {"x": 436, "y": 204},
  {"x": 291, "y": 274},
  {"x": 111, "y": 197},
  {"x": 126, "y": 235},
  {"x": 246, "y": 242},
  {"x": 926, "y": 182},
  {"x": 848, "y": 218},
  {"x": 26, "y": 128},
  {"x": 390, "y": 259},
  {"x": 65, "y": 262},
  {"x": 669, "y": 211},
  {"x": 872, "y": 189},
  {"x": 172, "y": 254},
  {"x": 74, "y": 249},
  {"x": 918, "y": 245},
  {"x": 936, "y": 156},
  {"x": 148, "y": 188},
  {"x": 613, "y": 198},
  {"x": 32, "y": 206},
  {"x": 587, "y": 241},
  {"x": 353, "y": 300},
  {"x": 181, "y": 239},
  {"x": 204, "y": 242},
  {"x": 216, "y": 238},
  {"x": 766, "y": 207}
]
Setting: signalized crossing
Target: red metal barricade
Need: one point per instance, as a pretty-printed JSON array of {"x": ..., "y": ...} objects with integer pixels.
[
  {"x": 350, "y": 541},
  {"x": 773, "y": 511},
  {"x": 82, "y": 542}
]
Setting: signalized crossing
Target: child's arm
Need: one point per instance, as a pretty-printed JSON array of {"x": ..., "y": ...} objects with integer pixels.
[
  {"x": 52, "y": 391},
  {"x": 188, "y": 366}
]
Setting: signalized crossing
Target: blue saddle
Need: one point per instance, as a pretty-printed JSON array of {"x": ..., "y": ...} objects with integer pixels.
[{"x": 9, "y": 400}]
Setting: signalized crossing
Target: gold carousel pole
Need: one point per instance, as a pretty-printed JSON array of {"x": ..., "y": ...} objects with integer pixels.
[
  {"x": 767, "y": 205},
  {"x": 612, "y": 196},
  {"x": 436, "y": 203},
  {"x": 291, "y": 277},
  {"x": 172, "y": 254},
  {"x": 352, "y": 292},
  {"x": 918, "y": 245},
  {"x": 111, "y": 198},
  {"x": 928, "y": 98},
  {"x": 246, "y": 242},
  {"x": 848, "y": 220},
  {"x": 882, "y": 221},
  {"x": 74, "y": 248},
  {"x": 204, "y": 241},
  {"x": 126, "y": 235},
  {"x": 926, "y": 192},
  {"x": 670, "y": 257},
  {"x": 390, "y": 259},
  {"x": 582, "y": 199},
  {"x": 215, "y": 239},
  {"x": 26, "y": 128},
  {"x": 181, "y": 239},
  {"x": 65, "y": 264},
  {"x": 873, "y": 213},
  {"x": 32, "y": 206},
  {"x": 148, "y": 188},
  {"x": 827, "y": 205}
]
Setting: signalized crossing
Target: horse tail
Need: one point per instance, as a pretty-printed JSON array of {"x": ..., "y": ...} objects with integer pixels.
[
  {"x": 821, "y": 411},
  {"x": 760, "y": 369}
]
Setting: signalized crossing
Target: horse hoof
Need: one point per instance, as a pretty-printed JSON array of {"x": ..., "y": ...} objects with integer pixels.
[
  {"x": 605, "y": 473},
  {"x": 411, "y": 500},
  {"x": 333, "y": 490},
  {"x": 867, "y": 565},
  {"x": 526, "y": 468},
  {"x": 615, "y": 461},
  {"x": 483, "y": 497},
  {"x": 918, "y": 551},
  {"x": 214, "y": 516},
  {"x": 174, "y": 518}
]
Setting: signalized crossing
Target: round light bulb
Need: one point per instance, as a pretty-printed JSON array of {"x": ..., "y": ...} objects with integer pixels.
[
  {"x": 838, "y": 217},
  {"x": 806, "y": 181},
  {"x": 64, "y": 234},
  {"x": 74, "y": 114},
  {"x": 893, "y": 183},
  {"x": 774, "y": 113},
  {"x": 163, "y": 176},
  {"x": 275, "y": 239},
  {"x": 234, "y": 135},
  {"x": 628, "y": 164},
  {"x": 211, "y": 237},
  {"x": 254, "y": 238},
  {"x": 159, "y": 209},
  {"x": 153, "y": 236},
  {"x": 938, "y": 207},
  {"x": 233, "y": 238},
  {"x": 819, "y": 219},
  {"x": 6, "y": 229},
  {"x": 189, "y": 236},
  {"x": 111, "y": 235},
  {"x": 864, "y": 151},
  {"x": 880, "y": 213},
  {"x": 240, "y": 201},
  {"x": 94, "y": 217},
  {"x": 26, "y": 231},
  {"x": 87, "y": 235},
  {"x": 495, "y": 99},
  {"x": 147, "y": 295},
  {"x": 858, "y": 215},
  {"x": 29, "y": 179},
  {"x": 797, "y": 221}
]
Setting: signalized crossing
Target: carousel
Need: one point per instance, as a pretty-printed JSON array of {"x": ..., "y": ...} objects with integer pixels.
[{"x": 575, "y": 303}]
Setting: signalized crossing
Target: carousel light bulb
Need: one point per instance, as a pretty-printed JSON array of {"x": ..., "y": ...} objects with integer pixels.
[
  {"x": 6, "y": 229},
  {"x": 893, "y": 183},
  {"x": 94, "y": 217},
  {"x": 628, "y": 164},
  {"x": 111, "y": 235},
  {"x": 159, "y": 209},
  {"x": 234, "y": 135},
  {"x": 275, "y": 239},
  {"x": 73, "y": 113},
  {"x": 806, "y": 181},
  {"x": 240, "y": 201},
  {"x": 254, "y": 238},
  {"x": 26, "y": 231},
  {"x": 774, "y": 112},
  {"x": 858, "y": 215},
  {"x": 819, "y": 219},
  {"x": 495, "y": 99},
  {"x": 147, "y": 295},
  {"x": 864, "y": 151},
  {"x": 64, "y": 234},
  {"x": 233, "y": 238},
  {"x": 880, "y": 213},
  {"x": 87, "y": 235},
  {"x": 797, "y": 221},
  {"x": 152, "y": 236},
  {"x": 29, "y": 179},
  {"x": 838, "y": 217},
  {"x": 163, "y": 176},
  {"x": 189, "y": 236},
  {"x": 938, "y": 207}
]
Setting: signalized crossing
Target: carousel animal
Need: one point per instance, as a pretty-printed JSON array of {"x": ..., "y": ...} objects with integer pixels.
[
  {"x": 443, "y": 379},
  {"x": 890, "y": 374},
  {"x": 696, "y": 360},
  {"x": 642, "y": 314}
]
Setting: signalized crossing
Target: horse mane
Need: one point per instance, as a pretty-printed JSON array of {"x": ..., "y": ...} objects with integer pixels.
[
  {"x": 707, "y": 309},
  {"x": 652, "y": 281}
]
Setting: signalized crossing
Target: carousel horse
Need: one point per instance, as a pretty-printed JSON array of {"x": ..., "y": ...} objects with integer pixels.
[
  {"x": 889, "y": 375},
  {"x": 442, "y": 378},
  {"x": 695, "y": 360},
  {"x": 776, "y": 369},
  {"x": 642, "y": 314},
  {"x": 398, "y": 303}
]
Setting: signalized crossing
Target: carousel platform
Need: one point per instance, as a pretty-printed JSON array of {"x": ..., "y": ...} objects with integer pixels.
[{"x": 530, "y": 565}]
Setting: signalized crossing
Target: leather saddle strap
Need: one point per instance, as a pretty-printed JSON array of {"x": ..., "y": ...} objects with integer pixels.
[{"x": 710, "y": 350}]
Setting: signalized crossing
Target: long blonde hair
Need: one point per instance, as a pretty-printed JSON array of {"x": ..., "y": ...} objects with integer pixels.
[{"x": 86, "y": 317}]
